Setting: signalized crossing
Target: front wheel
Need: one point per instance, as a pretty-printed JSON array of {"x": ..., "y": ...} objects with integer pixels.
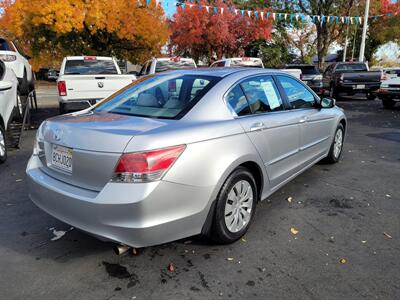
[
  {"x": 236, "y": 204},
  {"x": 3, "y": 145},
  {"x": 336, "y": 148}
]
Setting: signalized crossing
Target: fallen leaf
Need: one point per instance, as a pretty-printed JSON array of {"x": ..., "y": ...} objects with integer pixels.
[
  {"x": 58, "y": 234},
  {"x": 171, "y": 267},
  {"x": 343, "y": 261},
  {"x": 18, "y": 180},
  {"x": 387, "y": 235},
  {"x": 290, "y": 199},
  {"x": 243, "y": 240},
  {"x": 363, "y": 242},
  {"x": 229, "y": 258},
  {"x": 387, "y": 195},
  {"x": 294, "y": 231}
]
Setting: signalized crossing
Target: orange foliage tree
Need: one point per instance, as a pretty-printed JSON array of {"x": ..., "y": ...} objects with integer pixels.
[
  {"x": 124, "y": 28},
  {"x": 202, "y": 33}
]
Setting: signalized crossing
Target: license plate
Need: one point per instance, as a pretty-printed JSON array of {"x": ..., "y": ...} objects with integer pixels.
[
  {"x": 360, "y": 86},
  {"x": 61, "y": 158}
]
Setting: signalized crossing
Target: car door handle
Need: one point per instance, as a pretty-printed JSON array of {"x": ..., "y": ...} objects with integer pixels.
[{"x": 257, "y": 126}]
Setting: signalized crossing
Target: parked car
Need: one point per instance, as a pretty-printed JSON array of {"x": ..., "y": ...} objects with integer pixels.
[
  {"x": 86, "y": 80},
  {"x": 52, "y": 74},
  {"x": 16, "y": 60},
  {"x": 157, "y": 65},
  {"x": 389, "y": 73},
  {"x": 10, "y": 103},
  {"x": 389, "y": 92},
  {"x": 182, "y": 153},
  {"x": 253, "y": 62},
  {"x": 310, "y": 75},
  {"x": 351, "y": 78}
]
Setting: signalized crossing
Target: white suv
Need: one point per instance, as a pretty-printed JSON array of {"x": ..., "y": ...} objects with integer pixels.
[{"x": 16, "y": 60}]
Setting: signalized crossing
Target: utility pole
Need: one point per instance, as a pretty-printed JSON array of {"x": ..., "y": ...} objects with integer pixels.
[
  {"x": 364, "y": 32},
  {"x": 345, "y": 44}
]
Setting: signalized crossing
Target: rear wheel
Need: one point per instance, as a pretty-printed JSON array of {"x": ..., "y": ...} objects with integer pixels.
[
  {"x": 235, "y": 207},
  {"x": 62, "y": 108},
  {"x": 337, "y": 145},
  {"x": 3, "y": 145},
  {"x": 388, "y": 103}
]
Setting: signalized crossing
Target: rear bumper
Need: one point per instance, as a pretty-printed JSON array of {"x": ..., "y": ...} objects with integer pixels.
[
  {"x": 77, "y": 104},
  {"x": 138, "y": 215},
  {"x": 356, "y": 87}
]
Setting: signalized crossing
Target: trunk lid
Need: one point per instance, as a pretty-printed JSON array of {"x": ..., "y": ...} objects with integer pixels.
[
  {"x": 94, "y": 141},
  {"x": 94, "y": 86}
]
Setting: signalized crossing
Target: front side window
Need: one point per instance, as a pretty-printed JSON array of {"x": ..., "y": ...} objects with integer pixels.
[
  {"x": 89, "y": 67},
  {"x": 262, "y": 94},
  {"x": 351, "y": 67},
  {"x": 167, "y": 96},
  {"x": 298, "y": 95}
]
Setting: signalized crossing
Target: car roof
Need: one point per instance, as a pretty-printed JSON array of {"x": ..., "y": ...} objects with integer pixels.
[
  {"x": 169, "y": 58},
  {"x": 223, "y": 72}
]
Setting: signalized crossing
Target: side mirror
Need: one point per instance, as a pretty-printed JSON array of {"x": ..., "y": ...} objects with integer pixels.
[
  {"x": 327, "y": 102},
  {"x": 5, "y": 85}
]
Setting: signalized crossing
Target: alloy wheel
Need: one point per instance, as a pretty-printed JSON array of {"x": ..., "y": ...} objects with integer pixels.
[
  {"x": 238, "y": 206},
  {"x": 338, "y": 143}
]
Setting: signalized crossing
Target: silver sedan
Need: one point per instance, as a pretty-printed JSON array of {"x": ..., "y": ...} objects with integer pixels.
[{"x": 182, "y": 153}]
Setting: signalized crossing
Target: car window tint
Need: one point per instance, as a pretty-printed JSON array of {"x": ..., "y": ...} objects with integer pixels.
[
  {"x": 89, "y": 67},
  {"x": 262, "y": 94},
  {"x": 141, "y": 73},
  {"x": 198, "y": 85},
  {"x": 238, "y": 102},
  {"x": 298, "y": 95},
  {"x": 6, "y": 46}
]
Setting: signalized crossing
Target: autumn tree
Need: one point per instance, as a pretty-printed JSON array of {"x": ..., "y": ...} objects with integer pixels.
[
  {"x": 202, "y": 32},
  {"x": 126, "y": 29}
]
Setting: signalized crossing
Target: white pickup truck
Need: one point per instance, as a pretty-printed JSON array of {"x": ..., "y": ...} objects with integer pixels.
[{"x": 86, "y": 80}]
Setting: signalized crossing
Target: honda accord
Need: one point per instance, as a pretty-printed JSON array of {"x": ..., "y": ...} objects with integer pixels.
[{"x": 182, "y": 153}]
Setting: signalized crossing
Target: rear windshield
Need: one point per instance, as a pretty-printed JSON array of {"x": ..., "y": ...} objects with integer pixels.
[
  {"x": 5, "y": 46},
  {"x": 351, "y": 67},
  {"x": 166, "y": 96},
  {"x": 305, "y": 70},
  {"x": 166, "y": 65},
  {"x": 89, "y": 67},
  {"x": 247, "y": 63}
]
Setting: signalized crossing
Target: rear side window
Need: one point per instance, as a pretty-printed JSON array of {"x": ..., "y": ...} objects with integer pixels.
[
  {"x": 167, "y": 96},
  {"x": 298, "y": 95},
  {"x": 238, "y": 102},
  {"x": 89, "y": 67},
  {"x": 262, "y": 94},
  {"x": 174, "y": 64}
]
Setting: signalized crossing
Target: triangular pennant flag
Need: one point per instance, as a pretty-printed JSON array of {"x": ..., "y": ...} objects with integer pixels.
[
  {"x": 297, "y": 17},
  {"x": 328, "y": 18},
  {"x": 242, "y": 11},
  {"x": 267, "y": 15},
  {"x": 222, "y": 10},
  {"x": 314, "y": 18},
  {"x": 319, "y": 18},
  {"x": 291, "y": 18},
  {"x": 256, "y": 14},
  {"x": 303, "y": 18},
  {"x": 207, "y": 8},
  {"x": 215, "y": 10},
  {"x": 342, "y": 18},
  {"x": 351, "y": 20},
  {"x": 273, "y": 16},
  {"x": 148, "y": 2},
  {"x": 249, "y": 13},
  {"x": 262, "y": 15},
  {"x": 360, "y": 20},
  {"x": 200, "y": 7},
  {"x": 323, "y": 19},
  {"x": 183, "y": 6},
  {"x": 236, "y": 11}
]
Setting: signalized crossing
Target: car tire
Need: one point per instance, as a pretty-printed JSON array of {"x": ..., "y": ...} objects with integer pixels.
[
  {"x": 235, "y": 207},
  {"x": 19, "y": 108},
  {"x": 62, "y": 108},
  {"x": 388, "y": 103},
  {"x": 3, "y": 145},
  {"x": 24, "y": 85},
  {"x": 335, "y": 151},
  {"x": 371, "y": 96}
]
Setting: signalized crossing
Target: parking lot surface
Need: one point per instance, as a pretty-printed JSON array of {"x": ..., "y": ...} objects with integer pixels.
[{"x": 345, "y": 216}]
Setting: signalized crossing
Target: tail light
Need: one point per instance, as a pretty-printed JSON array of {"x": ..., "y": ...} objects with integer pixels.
[
  {"x": 146, "y": 166},
  {"x": 62, "y": 88},
  {"x": 7, "y": 58},
  {"x": 89, "y": 58}
]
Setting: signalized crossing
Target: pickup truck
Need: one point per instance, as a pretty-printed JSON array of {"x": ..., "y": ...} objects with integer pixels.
[
  {"x": 86, "y": 80},
  {"x": 351, "y": 78},
  {"x": 389, "y": 92}
]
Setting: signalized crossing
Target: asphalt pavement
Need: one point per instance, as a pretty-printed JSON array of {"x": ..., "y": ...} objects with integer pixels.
[{"x": 346, "y": 218}]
